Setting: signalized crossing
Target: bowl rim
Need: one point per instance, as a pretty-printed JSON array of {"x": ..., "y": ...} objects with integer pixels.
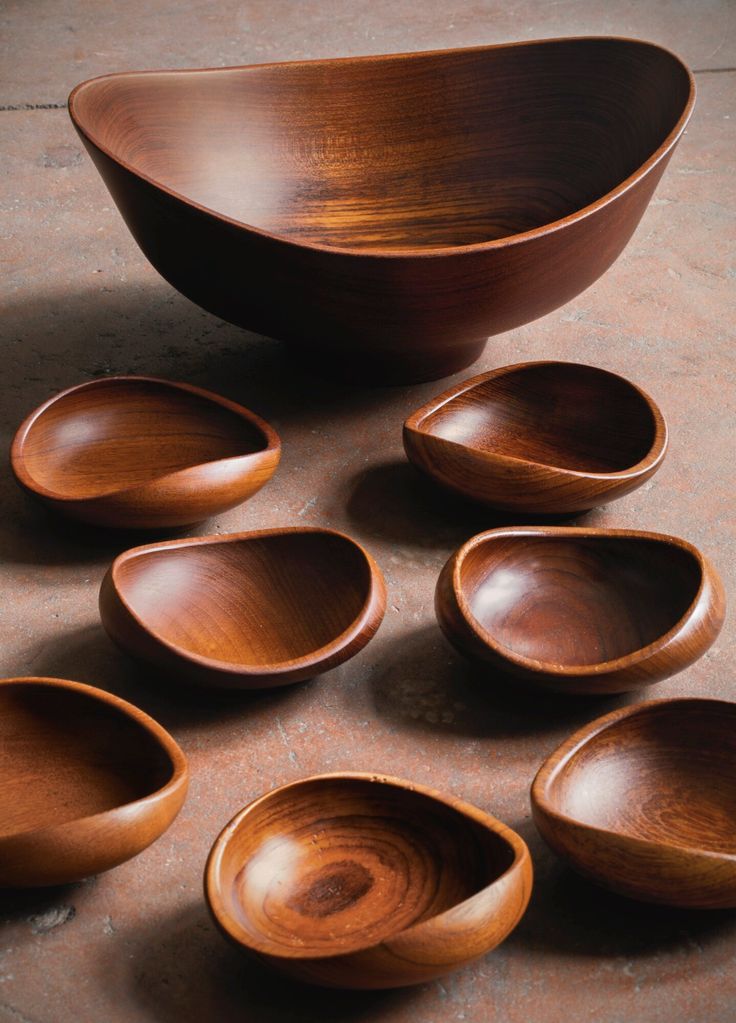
[
  {"x": 230, "y": 927},
  {"x": 27, "y": 480},
  {"x": 414, "y": 252}
]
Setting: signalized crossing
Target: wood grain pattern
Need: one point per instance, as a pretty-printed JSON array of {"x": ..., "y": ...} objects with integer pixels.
[
  {"x": 388, "y": 213},
  {"x": 547, "y": 437},
  {"x": 643, "y": 801},
  {"x": 365, "y": 881},
  {"x": 245, "y": 610},
  {"x": 136, "y": 452},
  {"x": 86, "y": 781},
  {"x": 581, "y": 610}
]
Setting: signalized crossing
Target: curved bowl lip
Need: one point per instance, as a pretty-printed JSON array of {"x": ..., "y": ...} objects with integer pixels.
[
  {"x": 277, "y": 668},
  {"x": 178, "y": 781},
  {"x": 649, "y": 463},
  {"x": 578, "y": 670},
  {"x": 414, "y": 252},
  {"x": 17, "y": 448},
  {"x": 213, "y": 890},
  {"x": 559, "y": 759}
]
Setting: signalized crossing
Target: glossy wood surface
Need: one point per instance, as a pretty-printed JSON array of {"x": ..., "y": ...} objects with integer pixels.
[
  {"x": 86, "y": 781},
  {"x": 580, "y": 610},
  {"x": 388, "y": 213},
  {"x": 547, "y": 437},
  {"x": 245, "y": 610},
  {"x": 643, "y": 801},
  {"x": 365, "y": 881},
  {"x": 137, "y": 452}
]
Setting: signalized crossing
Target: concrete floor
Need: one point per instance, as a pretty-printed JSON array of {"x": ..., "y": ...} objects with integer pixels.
[{"x": 136, "y": 945}]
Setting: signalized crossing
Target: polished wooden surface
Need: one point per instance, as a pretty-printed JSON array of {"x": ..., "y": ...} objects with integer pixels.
[
  {"x": 86, "y": 781},
  {"x": 366, "y": 881},
  {"x": 643, "y": 801},
  {"x": 547, "y": 437},
  {"x": 245, "y": 610},
  {"x": 580, "y": 610},
  {"x": 387, "y": 214},
  {"x": 136, "y": 452}
]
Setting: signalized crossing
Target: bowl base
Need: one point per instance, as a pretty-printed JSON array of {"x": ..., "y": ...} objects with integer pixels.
[{"x": 412, "y": 367}]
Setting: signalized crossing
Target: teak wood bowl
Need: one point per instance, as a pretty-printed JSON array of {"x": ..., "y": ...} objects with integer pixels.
[
  {"x": 138, "y": 452},
  {"x": 580, "y": 610},
  {"x": 389, "y": 213},
  {"x": 546, "y": 437},
  {"x": 643, "y": 801},
  {"x": 364, "y": 881},
  {"x": 86, "y": 781},
  {"x": 245, "y": 610}
]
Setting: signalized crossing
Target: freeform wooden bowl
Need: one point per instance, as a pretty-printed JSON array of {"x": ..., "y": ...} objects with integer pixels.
[
  {"x": 135, "y": 452},
  {"x": 245, "y": 610},
  {"x": 86, "y": 781},
  {"x": 643, "y": 801},
  {"x": 580, "y": 610},
  {"x": 389, "y": 213},
  {"x": 364, "y": 881},
  {"x": 539, "y": 437}
]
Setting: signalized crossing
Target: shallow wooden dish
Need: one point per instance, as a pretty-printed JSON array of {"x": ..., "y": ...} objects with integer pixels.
[
  {"x": 547, "y": 437},
  {"x": 643, "y": 801},
  {"x": 364, "y": 881},
  {"x": 245, "y": 610},
  {"x": 388, "y": 213},
  {"x": 580, "y": 610},
  {"x": 136, "y": 452},
  {"x": 86, "y": 781}
]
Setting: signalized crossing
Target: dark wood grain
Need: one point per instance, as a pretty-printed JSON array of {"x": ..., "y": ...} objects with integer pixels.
[
  {"x": 365, "y": 881},
  {"x": 581, "y": 610},
  {"x": 388, "y": 213},
  {"x": 547, "y": 437},
  {"x": 86, "y": 781}
]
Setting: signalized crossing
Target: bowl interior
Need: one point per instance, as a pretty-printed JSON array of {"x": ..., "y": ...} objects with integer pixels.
[
  {"x": 578, "y": 600},
  {"x": 431, "y": 150},
  {"x": 121, "y": 433},
  {"x": 335, "y": 865},
  {"x": 66, "y": 755}
]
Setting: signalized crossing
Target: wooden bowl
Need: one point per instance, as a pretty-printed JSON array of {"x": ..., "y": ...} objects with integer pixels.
[
  {"x": 643, "y": 801},
  {"x": 388, "y": 213},
  {"x": 245, "y": 610},
  {"x": 580, "y": 610},
  {"x": 539, "y": 437},
  {"x": 136, "y": 452},
  {"x": 364, "y": 881},
  {"x": 86, "y": 781}
]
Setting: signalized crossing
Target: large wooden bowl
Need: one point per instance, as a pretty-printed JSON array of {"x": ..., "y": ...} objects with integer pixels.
[
  {"x": 136, "y": 452},
  {"x": 364, "y": 881},
  {"x": 245, "y": 610},
  {"x": 580, "y": 610},
  {"x": 643, "y": 801},
  {"x": 86, "y": 781},
  {"x": 389, "y": 213}
]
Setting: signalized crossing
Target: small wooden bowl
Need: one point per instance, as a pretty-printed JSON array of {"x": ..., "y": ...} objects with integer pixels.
[
  {"x": 86, "y": 781},
  {"x": 245, "y": 610},
  {"x": 547, "y": 437},
  {"x": 581, "y": 610},
  {"x": 135, "y": 452},
  {"x": 364, "y": 881},
  {"x": 643, "y": 801}
]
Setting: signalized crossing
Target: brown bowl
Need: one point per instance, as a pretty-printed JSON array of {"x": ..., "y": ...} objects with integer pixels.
[
  {"x": 86, "y": 781},
  {"x": 364, "y": 881},
  {"x": 388, "y": 213},
  {"x": 643, "y": 801},
  {"x": 546, "y": 437},
  {"x": 580, "y": 610},
  {"x": 245, "y": 610},
  {"x": 134, "y": 452}
]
